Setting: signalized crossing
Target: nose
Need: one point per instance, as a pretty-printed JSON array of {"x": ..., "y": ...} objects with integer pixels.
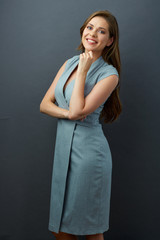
[{"x": 93, "y": 33}]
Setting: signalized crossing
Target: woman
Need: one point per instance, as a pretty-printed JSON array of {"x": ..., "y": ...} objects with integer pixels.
[{"x": 85, "y": 88}]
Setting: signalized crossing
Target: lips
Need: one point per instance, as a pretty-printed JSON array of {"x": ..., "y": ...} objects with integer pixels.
[{"x": 91, "y": 40}]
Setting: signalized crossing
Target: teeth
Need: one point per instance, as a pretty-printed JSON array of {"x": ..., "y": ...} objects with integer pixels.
[{"x": 91, "y": 41}]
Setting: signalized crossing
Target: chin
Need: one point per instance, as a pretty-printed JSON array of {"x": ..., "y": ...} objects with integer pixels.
[{"x": 88, "y": 48}]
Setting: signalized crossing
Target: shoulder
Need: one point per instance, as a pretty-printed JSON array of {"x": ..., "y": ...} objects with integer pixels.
[
  {"x": 72, "y": 60},
  {"x": 107, "y": 70},
  {"x": 67, "y": 64}
]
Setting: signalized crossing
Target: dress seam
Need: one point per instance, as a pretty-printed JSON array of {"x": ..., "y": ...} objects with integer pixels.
[{"x": 100, "y": 203}]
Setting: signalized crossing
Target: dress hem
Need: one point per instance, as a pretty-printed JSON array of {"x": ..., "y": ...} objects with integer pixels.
[{"x": 88, "y": 232}]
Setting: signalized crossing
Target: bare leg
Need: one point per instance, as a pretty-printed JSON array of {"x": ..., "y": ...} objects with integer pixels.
[
  {"x": 64, "y": 236},
  {"x": 98, "y": 236}
]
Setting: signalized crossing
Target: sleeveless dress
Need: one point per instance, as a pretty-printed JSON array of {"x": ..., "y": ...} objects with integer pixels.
[{"x": 82, "y": 165}]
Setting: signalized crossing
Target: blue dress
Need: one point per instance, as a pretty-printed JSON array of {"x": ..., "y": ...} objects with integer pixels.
[{"x": 82, "y": 166}]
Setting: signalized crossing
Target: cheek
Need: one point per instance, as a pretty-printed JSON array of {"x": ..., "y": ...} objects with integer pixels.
[
  {"x": 103, "y": 39},
  {"x": 83, "y": 38},
  {"x": 85, "y": 32}
]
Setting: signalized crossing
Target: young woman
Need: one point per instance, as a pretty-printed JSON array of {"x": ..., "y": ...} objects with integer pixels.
[{"x": 85, "y": 89}]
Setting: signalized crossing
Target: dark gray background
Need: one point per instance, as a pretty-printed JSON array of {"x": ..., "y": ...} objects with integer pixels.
[{"x": 36, "y": 37}]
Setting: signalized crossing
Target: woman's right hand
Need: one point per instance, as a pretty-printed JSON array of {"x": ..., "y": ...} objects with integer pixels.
[
  {"x": 68, "y": 116},
  {"x": 83, "y": 118}
]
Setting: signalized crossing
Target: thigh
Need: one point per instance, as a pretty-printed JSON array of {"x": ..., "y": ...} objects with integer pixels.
[
  {"x": 64, "y": 236},
  {"x": 98, "y": 236}
]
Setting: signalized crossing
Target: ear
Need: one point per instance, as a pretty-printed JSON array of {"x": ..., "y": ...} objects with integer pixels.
[{"x": 110, "y": 41}]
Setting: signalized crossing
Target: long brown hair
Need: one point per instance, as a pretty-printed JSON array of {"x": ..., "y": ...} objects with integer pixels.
[{"x": 112, "y": 107}]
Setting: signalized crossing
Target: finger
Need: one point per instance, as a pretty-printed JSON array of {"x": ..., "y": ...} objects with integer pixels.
[
  {"x": 81, "y": 55},
  {"x": 88, "y": 55},
  {"x": 91, "y": 54}
]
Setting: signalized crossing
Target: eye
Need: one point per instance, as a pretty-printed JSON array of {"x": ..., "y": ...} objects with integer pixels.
[
  {"x": 101, "y": 31},
  {"x": 89, "y": 27}
]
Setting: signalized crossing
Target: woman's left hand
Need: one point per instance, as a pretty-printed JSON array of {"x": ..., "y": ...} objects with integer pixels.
[{"x": 85, "y": 62}]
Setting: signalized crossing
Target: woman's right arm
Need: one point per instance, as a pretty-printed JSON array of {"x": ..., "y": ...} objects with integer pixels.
[{"x": 47, "y": 105}]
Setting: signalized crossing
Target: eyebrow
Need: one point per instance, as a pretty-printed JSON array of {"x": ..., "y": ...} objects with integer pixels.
[{"x": 99, "y": 27}]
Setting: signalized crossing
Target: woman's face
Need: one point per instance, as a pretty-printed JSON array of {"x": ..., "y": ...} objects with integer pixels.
[{"x": 95, "y": 36}]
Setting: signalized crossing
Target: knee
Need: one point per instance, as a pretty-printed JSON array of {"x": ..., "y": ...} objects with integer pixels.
[
  {"x": 62, "y": 236},
  {"x": 55, "y": 234},
  {"x": 98, "y": 236}
]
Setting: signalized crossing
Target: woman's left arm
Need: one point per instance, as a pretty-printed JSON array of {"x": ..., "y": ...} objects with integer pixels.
[{"x": 80, "y": 106}]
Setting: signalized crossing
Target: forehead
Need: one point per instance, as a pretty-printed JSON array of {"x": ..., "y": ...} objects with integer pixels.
[{"x": 99, "y": 21}]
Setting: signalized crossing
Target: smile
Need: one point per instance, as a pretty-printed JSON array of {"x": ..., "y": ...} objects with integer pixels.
[{"x": 90, "y": 40}]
